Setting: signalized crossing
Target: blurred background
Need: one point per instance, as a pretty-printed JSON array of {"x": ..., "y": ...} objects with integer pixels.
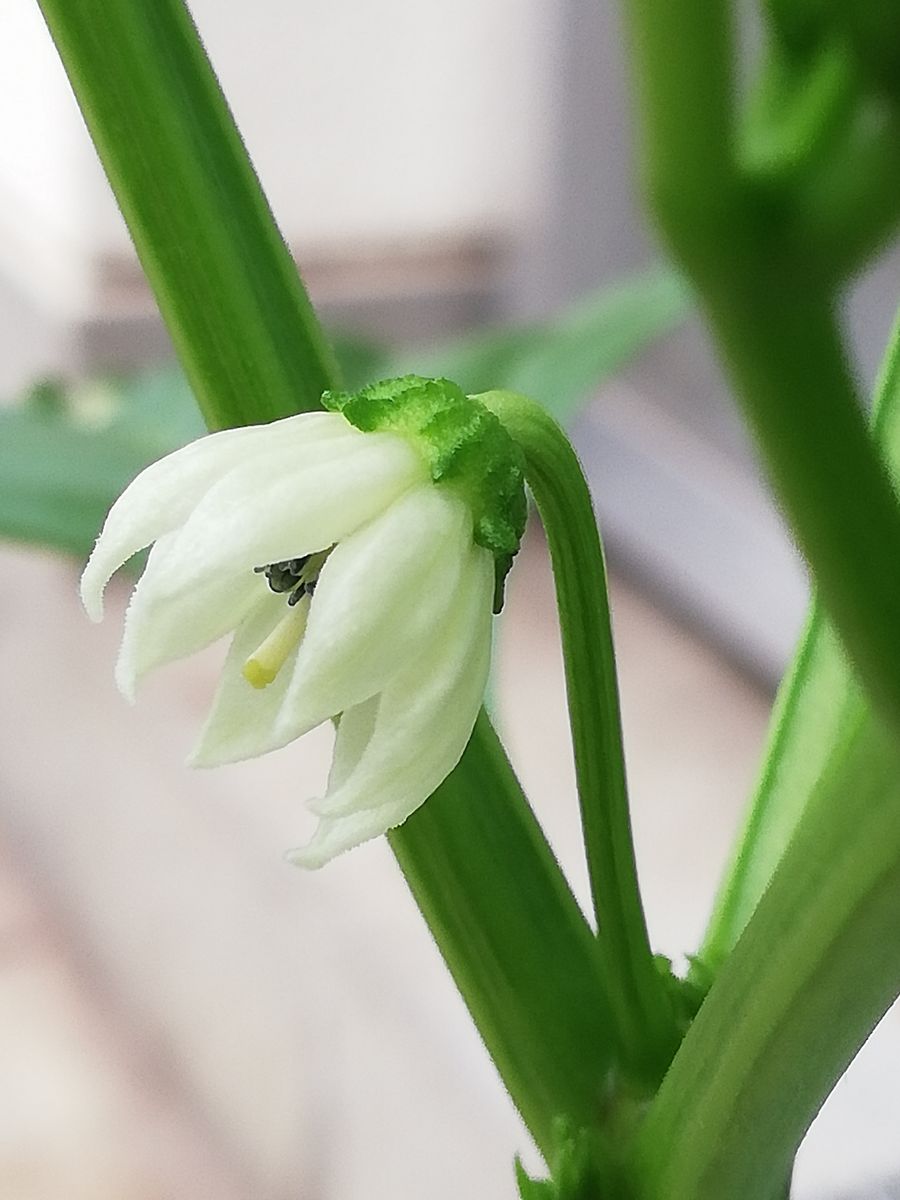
[{"x": 181, "y": 1014}]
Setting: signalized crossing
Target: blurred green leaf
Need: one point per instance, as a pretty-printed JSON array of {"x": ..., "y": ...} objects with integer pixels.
[
  {"x": 560, "y": 362},
  {"x": 362, "y": 360},
  {"x": 68, "y": 451}
]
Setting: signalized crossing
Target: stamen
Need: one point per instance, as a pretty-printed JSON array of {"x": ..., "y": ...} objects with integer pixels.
[
  {"x": 297, "y": 576},
  {"x": 280, "y": 577},
  {"x": 313, "y": 565},
  {"x": 266, "y": 661},
  {"x": 294, "y": 575}
]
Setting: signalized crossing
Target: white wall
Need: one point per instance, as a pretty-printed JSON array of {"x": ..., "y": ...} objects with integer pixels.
[
  {"x": 366, "y": 123},
  {"x": 44, "y": 241}
]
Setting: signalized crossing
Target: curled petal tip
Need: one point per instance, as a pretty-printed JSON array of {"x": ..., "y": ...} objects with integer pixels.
[
  {"x": 126, "y": 677},
  {"x": 205, "y": 757},
  {"x": 333, "y": 838},
  {"x": 309, "y": 858},
  {"x": 91, "y": 589},
  {"x": 93, "y": 608},
  {"x": 319, "y": 806}
]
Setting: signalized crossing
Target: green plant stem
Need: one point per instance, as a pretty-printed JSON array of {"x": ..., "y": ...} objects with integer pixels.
[
  {"x": 688, "y": 162},
  {"x": 846, "y": 211},
  {"x": 642, "y": 1012},
  {"x": 817, "y": 966},
  {"x": 457, "y": 858},
  {"x": 783, "y": 349},
  {"x": 818, "y": 698},
  {"x": 796, "y": 112},
  {"x": 252, "y": 347},
  {"x": 819, "y": 961},
  {"x": 773, "y": 319}
]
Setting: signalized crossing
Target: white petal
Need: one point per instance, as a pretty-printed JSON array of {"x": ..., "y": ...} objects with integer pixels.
[
  {"x": 354, "y": 730},
  {"x": 288, "y": 504},
  {"x": 162, "y": 496},
  {"x": 423, "y": 722},
  {"x": 199, "y": 582},
  {"x": 335, "y": 837},
  {"x": 161, "y": 627},
  {"x": 380, "y": 597},
  {"x": 430, "y": 707},
  {"x": 242, "y": 717}
]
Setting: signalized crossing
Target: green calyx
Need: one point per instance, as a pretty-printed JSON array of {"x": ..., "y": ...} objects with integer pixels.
[{"x": 465, "y": 446}]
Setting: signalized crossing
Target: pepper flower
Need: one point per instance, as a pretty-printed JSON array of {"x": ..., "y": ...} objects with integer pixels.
[{"x": 356, "y": 556}]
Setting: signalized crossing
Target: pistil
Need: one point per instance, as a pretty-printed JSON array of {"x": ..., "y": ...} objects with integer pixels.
[{"x": 266, "y": 661}]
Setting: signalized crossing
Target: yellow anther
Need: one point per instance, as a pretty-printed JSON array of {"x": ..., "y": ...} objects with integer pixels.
[{"x": 270, "y": 656}]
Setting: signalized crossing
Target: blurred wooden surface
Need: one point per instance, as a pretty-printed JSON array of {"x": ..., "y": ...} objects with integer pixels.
[{"x": 183, "y": 1015}]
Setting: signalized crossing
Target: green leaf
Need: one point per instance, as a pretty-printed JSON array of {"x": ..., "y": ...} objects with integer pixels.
[
  {"x": 560, "y": 362},
  {"x": 361, "y": 359},
  {"x": 59, "y": 473},
  {"x": 67, "y": 452}
]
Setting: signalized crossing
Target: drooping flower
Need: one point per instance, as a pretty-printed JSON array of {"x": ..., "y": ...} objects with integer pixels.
[{"x": 354, "y": 554}]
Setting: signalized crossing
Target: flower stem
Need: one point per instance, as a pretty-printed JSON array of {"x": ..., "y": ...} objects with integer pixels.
[{"x": 644, "y": 1021}]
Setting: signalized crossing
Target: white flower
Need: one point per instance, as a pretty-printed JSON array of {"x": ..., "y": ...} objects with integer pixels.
[{"x": 354, "y": 589}]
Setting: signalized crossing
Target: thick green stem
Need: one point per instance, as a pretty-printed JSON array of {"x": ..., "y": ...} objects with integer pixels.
[
  {"x": 796, "y": 112},
  {"x": 535, "y": 981},
  {"x": 846, "y": 211},
  {"x": 773, "y": 318},
  {"x": 784, "y": 353},
  {"x": 819, "y": 697},
  {"x": 251, "y": 345},
  {"x": 815, "y": 969},
  {"x": 643, "y": 1014},
  {"x": 819, "y": 961},
  {"x": 688, "y": 161}
]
